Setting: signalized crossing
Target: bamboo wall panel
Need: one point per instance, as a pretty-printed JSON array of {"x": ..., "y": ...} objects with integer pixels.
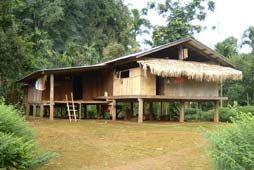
[{"x": 191, "y": 88}]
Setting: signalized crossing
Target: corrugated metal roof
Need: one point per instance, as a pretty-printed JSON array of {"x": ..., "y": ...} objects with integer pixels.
[{"x": 188, "y": 40}]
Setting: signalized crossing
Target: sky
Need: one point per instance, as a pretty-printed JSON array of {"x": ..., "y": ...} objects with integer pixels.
[{"x": 231, "y": 18}]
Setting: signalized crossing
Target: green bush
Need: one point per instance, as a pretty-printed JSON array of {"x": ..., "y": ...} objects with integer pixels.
[
  {"x": 17, "y": 142},
  {"x": 232, "y": 147},
  {"x": 246, "y": 109}
]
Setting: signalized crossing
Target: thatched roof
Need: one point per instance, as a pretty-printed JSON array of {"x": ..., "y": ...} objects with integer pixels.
[{"x": 191, "y": 70}]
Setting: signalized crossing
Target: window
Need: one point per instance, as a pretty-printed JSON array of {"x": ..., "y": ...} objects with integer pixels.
[{"x": 125, "y": 74}]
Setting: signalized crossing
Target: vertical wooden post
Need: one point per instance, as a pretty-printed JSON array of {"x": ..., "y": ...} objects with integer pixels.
[
  {"x": 216, "y": 111},
  {"x": 140, "y": 110},
  {"x": 131, "y": 111},
  {"x": 98, "y": 111},
  {"x": 85, "y": 111},
  {"x": 181, "y": 119},
  {"x": 34, "y": 110},
  {"x": 27, "y": 109},
  {"x": 41, "y": 110},
  {"x": 51, "y": 97},
  {"x": 113, "y": 110},
  {"x": 79, "y": 110},
  {"x": 221, "y": 101},
  {"x": 161, "y": 104},
  {"x": 151, "y": 111}
]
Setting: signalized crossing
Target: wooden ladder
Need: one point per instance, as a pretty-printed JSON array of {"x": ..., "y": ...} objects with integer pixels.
[{"x": 71, "y": 108}]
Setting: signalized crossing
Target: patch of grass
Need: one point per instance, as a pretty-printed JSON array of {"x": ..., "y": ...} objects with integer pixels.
[{"x": 106, "y": 145}]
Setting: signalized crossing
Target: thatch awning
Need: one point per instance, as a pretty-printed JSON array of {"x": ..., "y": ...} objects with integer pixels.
[{"x": 190, "y": 69}]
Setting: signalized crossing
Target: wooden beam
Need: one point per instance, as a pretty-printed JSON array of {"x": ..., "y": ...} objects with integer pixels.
[
  {"x": 41, "y": 110},
  {"x": 140, "y": 110},
  {"x": 51, "y": 97},
  {"x": 131, "y": 111},
  {"x": 182, "y": 110},
  {"x": 216, "y": 111},
  {"x": 160, "y": 110},
  {"x": 34, "y": 110},
  {"x": 113, "y": 110}
]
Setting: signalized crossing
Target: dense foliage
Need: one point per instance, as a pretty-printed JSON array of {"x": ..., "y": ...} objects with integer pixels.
[
  {"x": 17, "y": 142},
  {"x": 233, "y": 147}
]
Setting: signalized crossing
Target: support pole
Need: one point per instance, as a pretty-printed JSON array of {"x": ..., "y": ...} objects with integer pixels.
[
  {"x": 79, "y": 110},
  {"x": 41, "y": 110},
  {"x": 131, "y": 111},
  {"x": 160, "y": 110},
  {"x": 140, "y": 110},
  {"x": 151, "y": 111},
  {"x": 85, "y": 111},
  {"x": 51, "y": 97},
  {"x": 98, "y": 111},
  {"x": 181, "y": 119},
  {"x": 27, "y": 109},
  {"x": 113, "y": 110},
  {"x": 216, "y": 111},
  {"x": 34, "y": 110}
]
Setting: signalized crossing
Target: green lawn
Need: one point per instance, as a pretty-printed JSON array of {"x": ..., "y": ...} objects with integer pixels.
[{"x": 106, "y": 145}]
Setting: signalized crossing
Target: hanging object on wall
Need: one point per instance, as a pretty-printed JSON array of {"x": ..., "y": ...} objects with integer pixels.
[
  {"x": 40, "y": 83},
  {"x": 179, "y": 80},
  {"x": 183, "y": 53}
]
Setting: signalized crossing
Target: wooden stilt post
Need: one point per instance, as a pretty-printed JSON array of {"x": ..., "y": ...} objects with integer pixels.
[
  {"x": 41, "y": 110},
  {"x": 140, "y": 110},
  {"x": 160, "y": 110},
  {"x": 34, "y": 110},
  {"x": 52, "y": 103},
  {"x": 131, "y": 111},
  {"x": 79, "y": 110},
  {"x": 113, "y": 110},
  {"x": 98, "y": 111},
  {"x": 85, "y": 111},
  {"x": 27, "y": 109},
  {"x": 151, "y": 111},
  {"x": 216, "y": 111},
  {"x": 181, "y": 119}
]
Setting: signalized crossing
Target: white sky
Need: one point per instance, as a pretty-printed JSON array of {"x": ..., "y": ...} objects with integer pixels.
[{"x": 231, "y": 18}]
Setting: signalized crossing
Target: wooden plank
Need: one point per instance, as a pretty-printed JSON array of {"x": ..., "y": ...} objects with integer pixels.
[
  {"x": 51, "y": 97},
  {"x": 113, "y": 110},
  {"x": 182, "y": 110},
  {"x": 140, "y": 110},
  {"x": 166, "y": 98},
  {"x": 216, "y": 112},
  {"x": 98, "y": 111}
]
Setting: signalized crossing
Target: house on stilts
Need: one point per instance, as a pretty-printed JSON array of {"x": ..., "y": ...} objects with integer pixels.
[{"x": 184, "y": 70}]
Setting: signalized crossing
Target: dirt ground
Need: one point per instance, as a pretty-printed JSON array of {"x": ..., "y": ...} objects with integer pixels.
[{"x": 106, "y": 145}]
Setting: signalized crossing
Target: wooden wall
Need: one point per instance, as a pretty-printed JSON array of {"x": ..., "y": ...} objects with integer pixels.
[
  {"x": 96, "y": 83},
  {"x": 138, "y": 83},
  {"x": 190, "y": 88},
  {"x": 34, "y": 96}
]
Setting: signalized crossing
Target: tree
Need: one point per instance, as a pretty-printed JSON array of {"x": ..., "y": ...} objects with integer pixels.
[
  {"x": 248, "y": 38},
  {"x": 180, "y": 17},
  {"x": 139, "y": 25},
  {"x": 228, "y": 47}
]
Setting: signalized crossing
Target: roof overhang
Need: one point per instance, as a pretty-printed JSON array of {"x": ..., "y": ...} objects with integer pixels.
[{"x": 192, "y": 70}]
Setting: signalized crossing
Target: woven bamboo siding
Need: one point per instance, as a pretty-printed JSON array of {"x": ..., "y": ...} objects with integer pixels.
[
  {"x": 191, "y": 88},
  {"x": 138, "y": 83},
  {"x": 34, "y": 96}
]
